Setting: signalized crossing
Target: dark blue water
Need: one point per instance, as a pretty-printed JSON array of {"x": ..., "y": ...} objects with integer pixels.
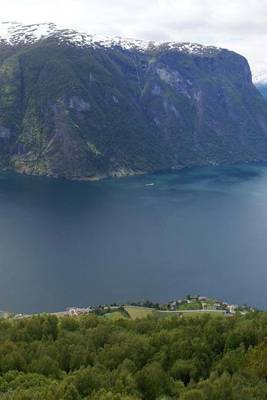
[{"x": 202, "y": 230}]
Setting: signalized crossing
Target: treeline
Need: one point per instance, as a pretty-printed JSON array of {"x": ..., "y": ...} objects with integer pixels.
[{"x": 89, "y": 357}]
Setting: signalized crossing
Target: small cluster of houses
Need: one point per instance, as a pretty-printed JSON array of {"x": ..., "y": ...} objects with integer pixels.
[
  {"x": 208, "y": 304},
  {"x": 78, "y": 311},
  {"x": 71, "y": 311}
]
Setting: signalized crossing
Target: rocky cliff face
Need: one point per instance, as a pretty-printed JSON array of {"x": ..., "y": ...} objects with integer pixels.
[{"x": 77, "y": 106}]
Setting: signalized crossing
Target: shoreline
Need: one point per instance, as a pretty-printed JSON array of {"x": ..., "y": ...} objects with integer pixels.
[
  {"x": 124, "y": 173},
  {"x": 188, "y": 305}
]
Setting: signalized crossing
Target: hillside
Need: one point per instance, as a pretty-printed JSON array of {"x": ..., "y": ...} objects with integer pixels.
[{"x": 84, "y": 107}]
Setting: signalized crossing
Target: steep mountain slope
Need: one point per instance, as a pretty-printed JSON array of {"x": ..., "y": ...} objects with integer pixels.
[{"x": 79, "y": 106}]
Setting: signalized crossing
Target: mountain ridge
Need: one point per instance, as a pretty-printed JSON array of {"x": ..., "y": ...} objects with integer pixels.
[
  {"x": 75, "y": 107},
  {"x": 14, "y": 33}
]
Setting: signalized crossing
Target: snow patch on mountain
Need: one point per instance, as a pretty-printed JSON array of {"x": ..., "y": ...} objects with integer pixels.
[
  {"x": 14, "y": 34},
  {"x": 190, "y": 48}
]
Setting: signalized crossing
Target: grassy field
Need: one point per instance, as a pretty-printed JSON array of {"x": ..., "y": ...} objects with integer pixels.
[
  {"x": 139, "y": 312},
  {"x": 210, "y": 314},
  {"x": 136, "y": 312},
  {"x": 193, "y": 313},
  {"x": 115, "y": 316},
  {"x": 164, "y": 314}
]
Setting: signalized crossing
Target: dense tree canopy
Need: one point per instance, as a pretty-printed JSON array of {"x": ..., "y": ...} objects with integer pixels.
[{"x": 89, "y": 357}]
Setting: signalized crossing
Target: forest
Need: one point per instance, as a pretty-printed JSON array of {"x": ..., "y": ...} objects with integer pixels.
[{"x": 90, "y": 357}]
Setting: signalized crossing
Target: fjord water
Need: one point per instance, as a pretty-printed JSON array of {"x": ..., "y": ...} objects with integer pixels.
[{"x": 200, "y": 230}]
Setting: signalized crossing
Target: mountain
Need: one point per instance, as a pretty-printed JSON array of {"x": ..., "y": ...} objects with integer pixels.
[{"x": 84, "y": 107}]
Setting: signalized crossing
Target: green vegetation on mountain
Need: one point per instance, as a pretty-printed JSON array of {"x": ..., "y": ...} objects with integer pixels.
[
  {"x": 90, "y": 357},
  {"x": 90, "y": 112}
]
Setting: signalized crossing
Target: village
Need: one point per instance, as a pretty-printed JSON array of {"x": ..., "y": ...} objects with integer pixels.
[{"x": 190, "y": 305}]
